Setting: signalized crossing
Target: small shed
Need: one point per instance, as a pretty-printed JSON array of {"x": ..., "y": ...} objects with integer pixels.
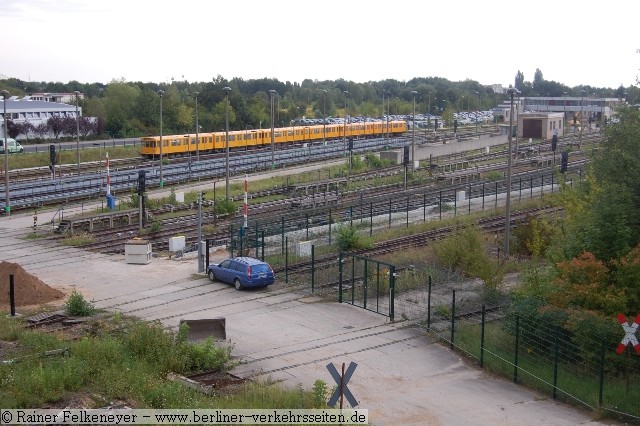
[{"x": 540, "y": 125}]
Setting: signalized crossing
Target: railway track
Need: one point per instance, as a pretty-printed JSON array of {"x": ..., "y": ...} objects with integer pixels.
[{"x": 419, "y": 240}]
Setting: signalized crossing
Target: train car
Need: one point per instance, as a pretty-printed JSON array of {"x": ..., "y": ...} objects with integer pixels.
[{"x": 180, "y": 145}]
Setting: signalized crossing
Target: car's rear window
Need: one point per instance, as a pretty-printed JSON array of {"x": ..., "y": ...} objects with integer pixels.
[{"x": 260, "y": 268}]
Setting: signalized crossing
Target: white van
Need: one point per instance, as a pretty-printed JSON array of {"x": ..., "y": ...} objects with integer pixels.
[{"x": 14, "y": 147}]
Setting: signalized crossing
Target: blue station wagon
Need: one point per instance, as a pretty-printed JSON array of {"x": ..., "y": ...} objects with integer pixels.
[{"x": 242, "y": 272}]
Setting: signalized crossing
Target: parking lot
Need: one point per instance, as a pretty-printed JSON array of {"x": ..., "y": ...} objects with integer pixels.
[{"x": 403, "y": 376}]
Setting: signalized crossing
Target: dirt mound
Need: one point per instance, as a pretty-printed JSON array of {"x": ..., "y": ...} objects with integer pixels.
[{"x": 29, "y": 290}]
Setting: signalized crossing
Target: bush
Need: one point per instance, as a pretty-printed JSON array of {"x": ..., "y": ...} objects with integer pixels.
[
  {"x": 225, "y": 207},
  {"x": 465, "y": 251},
  {"x": 349, "y": 239},
  {"x": 78, "y": 306}
]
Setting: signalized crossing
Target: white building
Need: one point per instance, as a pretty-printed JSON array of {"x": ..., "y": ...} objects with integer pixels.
[{"x": 35, "y": 112}]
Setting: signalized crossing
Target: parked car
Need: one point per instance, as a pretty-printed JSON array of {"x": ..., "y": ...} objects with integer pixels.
[
  {"x": 14, "y": 147},
  {"x": 242, "y": 272}
]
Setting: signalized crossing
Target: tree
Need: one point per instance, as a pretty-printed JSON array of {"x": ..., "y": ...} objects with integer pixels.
[
  {"x": 519, "y": 83},
  {"x": 87, "y": 126},
  {"x": 537, "y": 78},
  {"x": 13, "y": 129},
  {"x": 56, "y": 125},
  {"x": 41, "y": 130}
]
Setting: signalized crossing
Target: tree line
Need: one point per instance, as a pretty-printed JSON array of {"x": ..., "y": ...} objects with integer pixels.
[{"x": 132, "y": 109}]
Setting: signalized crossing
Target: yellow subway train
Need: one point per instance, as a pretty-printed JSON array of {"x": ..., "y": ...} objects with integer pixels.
[{"x": 177, "y": 145}]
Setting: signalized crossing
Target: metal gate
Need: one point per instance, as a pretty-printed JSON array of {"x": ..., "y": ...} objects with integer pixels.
[{"x": 367, "y": 283}]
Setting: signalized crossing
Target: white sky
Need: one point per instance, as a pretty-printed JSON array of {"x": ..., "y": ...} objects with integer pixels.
[{"x": 488, "y": 41}]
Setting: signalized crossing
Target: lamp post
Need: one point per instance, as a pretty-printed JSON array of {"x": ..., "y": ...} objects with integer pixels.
[
  {"x": 7, "y": 206},
  {"x": 195, "y": 94},
  {"x": 507, "y": 221},
  {"x": 413, "y": 133},
  {"x": 581, "y": 117},
  {"x": 161, "y": 92},
  {"x": 564, "y": 117},
  {"x": 346, "y": 117},
  {"x": 477, "y": 106},
  {"x": 77, "y": 132},
  {"x": 384, "y": 92},
  {"x": 271, "y": 93},
  {"x": 324, "y": 117},
  {"x": 429, "y": 113},
  {"x": 226, "y": 139}
]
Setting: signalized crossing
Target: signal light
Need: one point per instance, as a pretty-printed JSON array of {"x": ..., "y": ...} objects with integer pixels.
[
  {"x": 564, "y": 162},
  {"x": 52, "y": 154},
  {"x": 141, "y": 182},
  {"x": 554, "y": 143},
  {"x": 405, "y": 157}
]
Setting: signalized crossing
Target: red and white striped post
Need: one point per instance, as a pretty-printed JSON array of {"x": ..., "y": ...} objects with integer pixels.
[
  {"x": 108, "y": 175},
  {"x": 245, "y": 207}
]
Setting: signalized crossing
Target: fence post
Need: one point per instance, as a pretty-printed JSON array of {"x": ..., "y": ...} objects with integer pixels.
[
  {"x": 429, "y": 305},
  {"x": 286, "y": 259},
  {"x": 389, "y": 212},
  {"x": 407, "y": 211},
  {"x": 482, "y": 337},
  {"x": 307, "y": 220},
  {"x": 482, "y": 196},
  {"x": 601, "y": 381},
  {"x": 365, "y": 281},
  {"x": 330, "y": 219},
  {"x": 520, "y": 191},
  {"x": 313, "y": 267},
  {"x": 281, "y": 230},
  {"x": 496, "y": 201},
  {"x": 371, "y": 219},
  {"x": 552, "y": 183},
  {"x": 353, "y": 280},
  {"x": 350, "y": 215},
  {"x": 424, "y": 207},
  {"x": 541, "y": 185},
  {"x": 555, "y": 361},
  {"x": 231, "y": 239},
  {"x": 515, "y": 360},
  {"x": 469, "y": 195},
  {"x": 377, "y": 286},
  {"x": 531, "y": 188},
  {"x": 257, "y": 235},
  {"x": 440, "y": 205},
  {"x": 340, "y": 277},
  {"x": 262, "y": 235},
  {"x": 453, "y": 316},
  {"x": 455, "y": 203},
  {"x": 392, "y": 290}
]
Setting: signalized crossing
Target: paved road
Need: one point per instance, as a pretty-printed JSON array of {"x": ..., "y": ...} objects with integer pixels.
[{"x": 403, "y": 376}]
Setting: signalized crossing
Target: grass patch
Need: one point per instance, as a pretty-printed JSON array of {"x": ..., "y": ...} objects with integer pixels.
[
  {"x": 125, "y": 359},
  {"x": 75, "y": 240}
]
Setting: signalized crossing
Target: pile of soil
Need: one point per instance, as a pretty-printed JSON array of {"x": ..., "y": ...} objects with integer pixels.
[{"x": 28, "y": 289}]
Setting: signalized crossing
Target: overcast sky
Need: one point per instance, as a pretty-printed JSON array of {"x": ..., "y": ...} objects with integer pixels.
[{"x": 573, "y": 43}]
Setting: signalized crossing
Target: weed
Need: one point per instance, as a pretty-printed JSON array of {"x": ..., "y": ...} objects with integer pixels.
[{"x": 78, "y": 306}]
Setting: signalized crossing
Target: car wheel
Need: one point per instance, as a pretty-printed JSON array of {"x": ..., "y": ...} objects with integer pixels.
[
  {"x": 237, "y": 284},
  {"x": 212, "y": 276}
]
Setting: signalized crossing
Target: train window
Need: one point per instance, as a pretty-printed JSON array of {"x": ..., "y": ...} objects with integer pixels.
[
  {"x": 232, "y": 138},
  {"x": 175, "y": 142},
  {"x": 278, "y": 134},
  {"x": 210, "y": 139},
  {"x": 217, "y": 138}
]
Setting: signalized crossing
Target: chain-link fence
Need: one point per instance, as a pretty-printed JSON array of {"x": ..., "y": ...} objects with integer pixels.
[{"x": 580, "y": 361}]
